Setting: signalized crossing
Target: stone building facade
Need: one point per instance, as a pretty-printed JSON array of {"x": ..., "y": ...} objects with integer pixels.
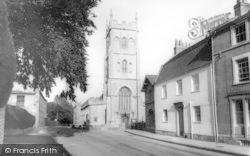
[
  {"x": 93, "y": 111},
  {"x": 231, "y": 51},
  {"x": 122, "y": 79},
  {"x": 183, "y": 99},
  {"x": 148, "y": 88}
]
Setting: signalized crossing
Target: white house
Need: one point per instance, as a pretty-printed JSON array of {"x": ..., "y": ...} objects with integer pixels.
[
  {"x": 183, "y": 96},
  {"x": 94, "y": 112},
  {"x": 33, "y": 102}
]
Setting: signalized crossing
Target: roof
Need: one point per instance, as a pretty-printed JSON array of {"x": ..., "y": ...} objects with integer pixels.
[
  {"x": 192, "y": 58},
  {"x": 148, "y": 78},
  {"x": 92, "y": 101},
  {"x": 22, "y": 92},
  {"x": 151, "y": 78},
  {"x": 232, "y": 21}
]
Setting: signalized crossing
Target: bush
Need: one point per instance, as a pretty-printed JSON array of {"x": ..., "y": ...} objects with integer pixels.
[{"x": 18, "y": 118}]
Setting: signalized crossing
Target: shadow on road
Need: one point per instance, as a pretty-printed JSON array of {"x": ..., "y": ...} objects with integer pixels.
[
  {"x": 42, "y": 139},
  {"x": 64, "y": 131}
]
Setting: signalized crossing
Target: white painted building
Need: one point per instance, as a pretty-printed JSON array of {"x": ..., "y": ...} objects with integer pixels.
[
  {"x": 33, "y": 102},
  {"x": 93, "y": 111},
  {"x": 183, "y": 99}
]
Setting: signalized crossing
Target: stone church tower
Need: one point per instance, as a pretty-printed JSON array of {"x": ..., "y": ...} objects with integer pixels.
[{"x": 121, "y": 79}]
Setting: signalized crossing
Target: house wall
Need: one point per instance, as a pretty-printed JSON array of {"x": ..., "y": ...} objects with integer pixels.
[
  {"x": 35, "y": 104},
  {"x": 98, "y": 112},
  {"x": 225, "y": 81},
  {"x": 201, "y": 130},
  {"x": 29, "y": 102},
  {"x": 149, "y": 104},
  {"x": 42, "y": 110}
]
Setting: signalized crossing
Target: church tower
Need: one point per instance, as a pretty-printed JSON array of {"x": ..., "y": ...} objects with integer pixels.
[{"x": 121, "y": 79}]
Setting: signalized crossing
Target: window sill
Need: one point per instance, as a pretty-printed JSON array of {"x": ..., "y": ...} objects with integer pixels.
[
  {"x": 240, "y": 83},
  {"x": 164, "y": 98},
  {"x": 197, "y": 122},
  {"x": 164, "y": 121},
  {"x": 196, "y": 91},
  {"x": 179, "y": 94}
]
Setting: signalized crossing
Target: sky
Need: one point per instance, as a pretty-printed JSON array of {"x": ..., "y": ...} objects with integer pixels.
[{"x": 160, "y": 23}]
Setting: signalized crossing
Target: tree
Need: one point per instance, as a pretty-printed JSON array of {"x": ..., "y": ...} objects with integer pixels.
[
  {"x": 60, "y": 109},
  {"x": 7, "y": 64},
  {"x": 49, "y": 41}
]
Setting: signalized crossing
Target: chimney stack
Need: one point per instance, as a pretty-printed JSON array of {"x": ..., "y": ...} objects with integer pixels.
[
  {"x": 241, "y": 8},
  {"x": 180, "y": 46}
]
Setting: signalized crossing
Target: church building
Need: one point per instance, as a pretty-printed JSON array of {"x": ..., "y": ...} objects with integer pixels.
[{"x": 122, "y": 78}]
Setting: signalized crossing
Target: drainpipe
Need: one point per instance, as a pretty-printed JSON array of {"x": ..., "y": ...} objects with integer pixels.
[
  {"x": 191, "y": 120},
  {"x": 213, "y": 85}
]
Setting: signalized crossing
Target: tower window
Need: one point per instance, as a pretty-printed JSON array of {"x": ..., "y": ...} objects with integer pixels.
[
  {"x": 125, "y": 99},
  {"x": 118, "y": 66},
  {"x": 116, "y": 42},
  {"x": 124, "y": 43},
  {"x": 130, "y": 67},
  {"x": 124, "y": 66},
  {"x": 131, "y": 44}
]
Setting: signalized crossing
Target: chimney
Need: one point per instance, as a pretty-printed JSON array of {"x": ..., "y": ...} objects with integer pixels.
[
  {"x": 180, "y": 46},
  {"x": 241, "y": 8}
]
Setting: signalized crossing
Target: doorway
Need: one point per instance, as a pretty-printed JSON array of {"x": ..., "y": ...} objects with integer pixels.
[
  {"x": 125, "y": 120},
  {"x": 179, "y": 108}
]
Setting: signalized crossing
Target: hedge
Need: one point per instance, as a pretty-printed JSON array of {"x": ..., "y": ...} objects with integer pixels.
[{"x": 18, "y": 118}]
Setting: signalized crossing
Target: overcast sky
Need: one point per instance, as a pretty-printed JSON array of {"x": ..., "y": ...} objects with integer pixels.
[{"x": 160, "y": 22}]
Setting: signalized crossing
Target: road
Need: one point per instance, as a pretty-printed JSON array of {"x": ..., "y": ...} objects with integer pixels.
[{"x": 119, "y": 143}]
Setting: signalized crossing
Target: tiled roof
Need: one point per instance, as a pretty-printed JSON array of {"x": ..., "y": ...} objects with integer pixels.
[
  {"x": 151, "y": 78},
  {"x": 22, "y": 92},
  {"x": 148, "y": 79},
  {"x": 190, "y": 59},
  {"x": 93, "y": 101}
]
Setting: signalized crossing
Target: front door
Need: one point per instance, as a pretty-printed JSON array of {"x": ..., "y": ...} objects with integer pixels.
[
  {"x": 181, "y": 121},
  {"x": 125, "y": 121},
  {"x": 179, "y": 108}
]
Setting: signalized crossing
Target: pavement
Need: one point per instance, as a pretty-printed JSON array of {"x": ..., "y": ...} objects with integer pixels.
[{"x": 204, "y": 145}]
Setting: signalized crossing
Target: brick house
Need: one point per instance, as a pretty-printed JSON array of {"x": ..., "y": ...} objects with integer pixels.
[
  {"x": 183, "y": 99},
  {"x": 231, "y": 51},
  {"x": 33, "y": 102},
  {"x": 148, "y": 88}
]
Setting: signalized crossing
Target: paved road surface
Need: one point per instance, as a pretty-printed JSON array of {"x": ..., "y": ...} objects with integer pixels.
[{"x": 119, "y": 143}]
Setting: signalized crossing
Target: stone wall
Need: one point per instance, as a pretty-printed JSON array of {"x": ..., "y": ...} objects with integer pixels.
[{"x": 2, "y": 120}]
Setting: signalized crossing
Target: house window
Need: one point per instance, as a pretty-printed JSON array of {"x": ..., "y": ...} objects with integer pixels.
[
  {"x": 124, "y": 66},
  {"x": 240, "y": 33},
  {"x": 164, "y": 91},
  {"x": 195, "y": 83},
  {"x": 165, "y": 115},
  {"x": 241, "y": 68},
  {"x": 179, "y": 87},
  {"x": 20, "y": 100},
  {"x": 239, "y": 111},
  {"x": 124, "y": 43},
  {"x": 197, "y": 113}
]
